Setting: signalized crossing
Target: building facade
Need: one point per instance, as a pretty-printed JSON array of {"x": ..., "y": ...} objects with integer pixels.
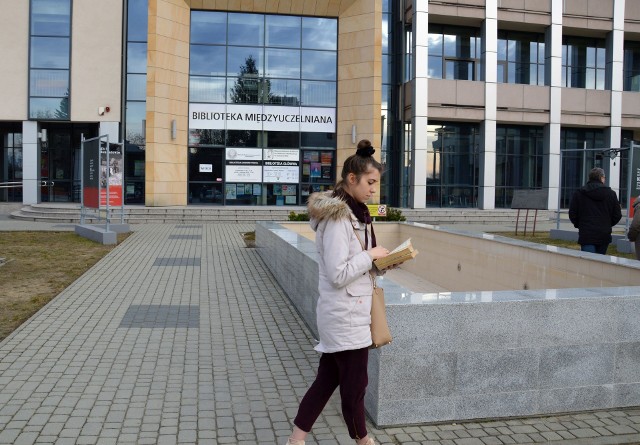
[{"x": 232, "y": 102}]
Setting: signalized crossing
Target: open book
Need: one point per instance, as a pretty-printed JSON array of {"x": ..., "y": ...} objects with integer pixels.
[{"x": 399, "y": 255}]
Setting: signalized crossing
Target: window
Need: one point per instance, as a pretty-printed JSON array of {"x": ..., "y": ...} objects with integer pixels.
[
  {"x": 454, "y": 53},
  {"x": 583, "y": 63},
  {"x": 244, "y": 58},
  {"x": 520, "y": 58},
  {"x": 49, "y": 62},
  {"x": 631, "y": 66},
  {"x": 576, "y": 163},
  {"x": 135, "y": 105},
  {"x": 519, "y": 159},
  {"x": 452, "y": 165}
]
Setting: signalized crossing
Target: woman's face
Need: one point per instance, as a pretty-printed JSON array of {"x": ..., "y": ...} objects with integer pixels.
[{"x": 365, "y": 188}]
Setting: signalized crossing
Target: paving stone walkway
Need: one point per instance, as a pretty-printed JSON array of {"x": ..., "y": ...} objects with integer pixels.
[{"x": 181, "y": 336}]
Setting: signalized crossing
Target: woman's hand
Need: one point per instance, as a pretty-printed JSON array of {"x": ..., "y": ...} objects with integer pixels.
[{"x": 378, "y": 252}]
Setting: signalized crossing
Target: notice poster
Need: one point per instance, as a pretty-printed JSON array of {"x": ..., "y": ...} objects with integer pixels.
[
  {"x": 243, "y": 165},
  {"x": 315, "y": 169},
  {"x": 289, "y": 190},
  {"x": 257, "y": 189},
  {"x": 281, "y": 171},
  {"x": 111, "y": 171},
  {"x": 230, "y": 191}
]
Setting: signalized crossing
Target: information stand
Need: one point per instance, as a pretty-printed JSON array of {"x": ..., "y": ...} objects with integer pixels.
[{"x": 529, "y": 200}]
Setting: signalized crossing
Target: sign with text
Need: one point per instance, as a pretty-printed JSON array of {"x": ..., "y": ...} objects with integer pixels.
[
  {"x": 111, "y": 169},
  {"x": 90, "y": 176},
  {"x": 243, "y": 165},
  {"x": 261, "y": 118},
  {"x": 377, "y": 209},
  {"x": 281, "y": 165}
]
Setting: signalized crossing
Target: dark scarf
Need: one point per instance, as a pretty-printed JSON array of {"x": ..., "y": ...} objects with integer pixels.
[{"x": 361, "y": 211}]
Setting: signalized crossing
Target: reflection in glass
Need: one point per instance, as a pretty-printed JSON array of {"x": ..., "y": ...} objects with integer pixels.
[
  {"x": 327, "y": 140},
  {"x": 631, "y": 66},
  {"x": 283, "y": 139},
  {"x": 319, "y": 65},
  {"x": 321, "y": 94},
  {"x": 135, "y": 115},
  {"x": 519, "y": 159},
  {"x": 50, "y": 52},
  {"x": 284, "y": 92},
  {"x": 50, "y": 17},
  {"x": 238, "y": 60},
  {"x": 385, "y": 34},
  {"x": 282, "y": 63},
  {"x": 44, "y": 108},
  {"x": 452, "y": 165},
  {"x": 208, "y": 27},
  {"x": 50, "y": 83},
  {"x": 136, "y": 58},
  {"x": 199, "y": 137},
  {"x": 248, "y": 87},
  {"x": 207, "y": 60},
  {"x": 207, "y": 89},
  {"x": 283, "y": 31},
  {"x": 137, "y": 20},
  {"x": 319, "y": 33},
  {"x": 136, "y": 87},
  {"x": 246, "y": 29},
  {"x": 242, "y": 138}
]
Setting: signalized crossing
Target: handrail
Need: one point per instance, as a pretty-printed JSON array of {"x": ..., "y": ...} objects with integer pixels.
[{"x": 5, "y": 185}]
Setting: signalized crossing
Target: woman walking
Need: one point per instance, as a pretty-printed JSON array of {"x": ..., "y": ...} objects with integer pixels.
[{"x": 346, "y": 244}]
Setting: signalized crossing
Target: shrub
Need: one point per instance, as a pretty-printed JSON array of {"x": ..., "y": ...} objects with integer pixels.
[
  {"x": 393, "y": 215},
  {"x": 293, "y": 216}
]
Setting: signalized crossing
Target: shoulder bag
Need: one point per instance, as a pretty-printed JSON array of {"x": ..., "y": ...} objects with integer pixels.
[{"x": 380, "y": 332}]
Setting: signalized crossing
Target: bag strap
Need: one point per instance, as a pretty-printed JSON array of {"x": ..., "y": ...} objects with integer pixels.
[{"x": 364, "y": 249}]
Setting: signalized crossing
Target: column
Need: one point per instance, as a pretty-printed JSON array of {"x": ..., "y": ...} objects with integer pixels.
[
  {"x": 615, "y": 83},
  {"x": 553, "y": 75},
  {"x": 30, "y": 163},
  {"x": 487, "y": 191},
  {"x": 419, "y": 141}
]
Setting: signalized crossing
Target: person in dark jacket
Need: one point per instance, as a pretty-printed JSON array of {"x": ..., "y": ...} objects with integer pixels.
[{"x": 594, "y": 210}]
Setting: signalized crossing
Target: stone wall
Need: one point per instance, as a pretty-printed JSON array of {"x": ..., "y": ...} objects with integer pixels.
[{"x": 476, "y": 355}]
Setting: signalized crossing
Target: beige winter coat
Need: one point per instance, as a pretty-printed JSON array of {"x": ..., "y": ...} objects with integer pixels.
[{"x": 345, "y": 285}]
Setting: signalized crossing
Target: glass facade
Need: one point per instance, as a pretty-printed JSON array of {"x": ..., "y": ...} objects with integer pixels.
[
  {"x": 454, "y": 53},
  {"x": 519, "y": 159},
  {"x": 452, "y": 164},
  {"x": 631, "y": 66},
  {"x": 264, "y": 80},
  {"x": 11, "y": 161},
  {"x": 583, "y": 63},
  {"x": 135, "y": 101},
  {"x": 49, "y": 59},
  {"x": 520, "y": 58},
  {"x": 576, "y": 162},
  {"x": 386, "y": 140}
]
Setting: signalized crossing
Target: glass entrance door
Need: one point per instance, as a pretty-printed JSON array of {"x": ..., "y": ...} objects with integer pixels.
[
  {"x": 60, "y": 161},
  {"x": 57, "y": 161}
]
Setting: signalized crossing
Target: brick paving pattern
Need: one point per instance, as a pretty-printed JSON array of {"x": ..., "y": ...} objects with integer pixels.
[{"x": 181, "y": 336}]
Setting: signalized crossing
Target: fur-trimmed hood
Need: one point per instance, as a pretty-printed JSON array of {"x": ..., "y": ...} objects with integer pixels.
[{"x": 322, "y": 205}]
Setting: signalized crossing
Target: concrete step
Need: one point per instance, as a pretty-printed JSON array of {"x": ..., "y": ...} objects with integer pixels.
[{"x": 70, "y": 213}]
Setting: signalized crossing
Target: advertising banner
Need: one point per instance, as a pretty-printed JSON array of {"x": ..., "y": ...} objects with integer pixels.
[
  {"x": 90, "y": 175},
  {"x": 111, "y": 171}
]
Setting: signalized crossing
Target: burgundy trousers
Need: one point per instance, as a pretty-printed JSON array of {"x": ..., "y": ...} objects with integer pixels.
[{"x": 348, "y": 370}]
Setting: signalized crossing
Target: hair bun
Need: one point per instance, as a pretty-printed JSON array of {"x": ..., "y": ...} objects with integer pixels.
[{"x": 365, "y": 149}]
